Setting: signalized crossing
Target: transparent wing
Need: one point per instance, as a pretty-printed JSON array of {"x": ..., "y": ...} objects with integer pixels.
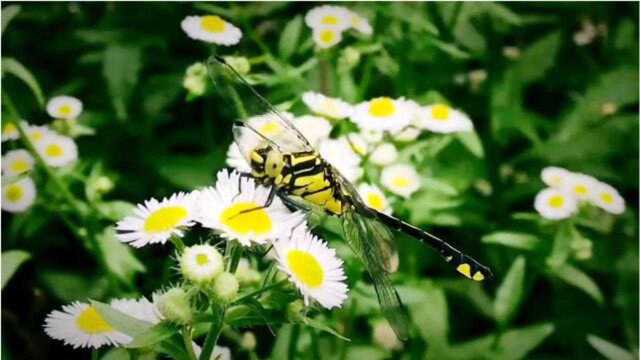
[
  {"x": 255, "y": 112},
  {"x": 363, "y": 235}
]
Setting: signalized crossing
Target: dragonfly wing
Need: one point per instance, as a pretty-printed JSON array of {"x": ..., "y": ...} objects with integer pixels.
[{"x": 362, "y": 238}]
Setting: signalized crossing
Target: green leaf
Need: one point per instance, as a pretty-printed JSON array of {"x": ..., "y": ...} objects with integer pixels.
[
  {"x": 431, "y": 316},
  {"x": 609, "y": 350},
  {"x": 280, "y": 348},
  {"x": 118, "y": 256},
  {"x": 11, "y": 261},
  {"x": 512, "y": 239},
  {"x": 120, "y": 68},
  {"x": 290, "y": 37},
  {"x": 561, "y": 245},
  {"x": 8, "y": 13},
  {"x": 188, "y": 172},
  {"x": 366, "y": 352},
  {"x": 509, "y": 294},
  {"x": 537, "y": 59},
  {"x": 320, "y": 325},
  {"x": 115, "y": 210},
  {"x": 471, "y": 141},
  {"x": 574, "y": 276},
  {"x": 72, "y": 286},
  {"x": 450, "y": 49},
  {"x": 153, "y": 335},
  {"x": 116, "y": 354},
  {"x": 121, "y": 321},
  {"x": 15, "y": 68}
]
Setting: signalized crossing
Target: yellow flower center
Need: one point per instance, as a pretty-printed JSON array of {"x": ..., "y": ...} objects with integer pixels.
[
  {"x": 36, "y": 135},
  {"x": 440, "y": 112},
  {"x": 401, "y": 182},
  {"x": 202, "y": 259},
  {"x": 54, "y": 150},
  {"x": 306, "y": 268},
  {"x": 329, "y": 20},
  {"x": 327, "y": 36},
  {"x": 9, "y": 129},
  {"x": 382, "y": 107},
  {"x": 555, "y": 180},
  {"x": 256, "y": 221},
  {"x": 165, "y": 219},
  {"x": 270, "y": 128},
  {"x": 19, "y": 166},
  {"x": 90, "y": 322},
  {"x": 556, "y": 201},
  {"x": 64, "y": 110},
  {"x": 606, "y": 198},
  {"x": 212, "y": 24},
  {"x": 580, "y": 189},
  {"x": 14, "y": 193},
  {"x": 376, "y": 201}
]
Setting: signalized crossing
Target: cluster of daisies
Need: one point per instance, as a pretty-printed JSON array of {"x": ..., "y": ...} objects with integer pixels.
[
  {"x": 328, "y": 22},
  {"x": 384, "y": 124},
  {"x": 567, "y": 190},
  {"x": 55, "y": 149}
]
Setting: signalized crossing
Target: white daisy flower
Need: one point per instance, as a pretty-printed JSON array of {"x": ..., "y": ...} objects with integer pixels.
[
  {"x": 212, "y": 29},
  {"x": 141, "y": 309},
  {"x": 340, "y": 154},
  {"x": 358, "y": 144},
  {"x": 360, "y": 23},
  {"x": 407, "y": 134},
  {"x": 382, "y": 114},
  {"x": 333, "y": 108},
  {"x": 268, "y": 125},
  {"x": 372, "y": 136},
  {"x": 441, "y": 118},
  {"x": 236, "y": 160},
  {"x": 374, "y": 198},
  {"x": 38, "y": 133},
  {"x": 314, "y": 128},
  {"x": 328, "y": 16},
  {"x": 384, "y": 154},
  {"x": 400, "y": 179},
  {"x": 156, "y": 221},
  {"x": 201, "y": 263},
  {"x": 16, "y": 162},
  {"x": 19, "y": 195},
  {"x": 581, "y": 186},
  {"x": 555, "y": 177},
  {"x": 57, "y": 150},
  {"x": 64, "y": 107},
  {"x": 313, "y": 267},
  {"x": 9, "y": 131},
  {"x": 218, "y": 353},
  {"x": 225, "y": 208},
  {"x": 81, "y": 326},
  {"x": 555, "y": 204},
  {"x": 607, "y": 198},
  {"x": 326, "y": 37}
]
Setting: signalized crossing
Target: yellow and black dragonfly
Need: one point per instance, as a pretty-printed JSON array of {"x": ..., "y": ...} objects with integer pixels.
[{"x": 294, "y": 170}]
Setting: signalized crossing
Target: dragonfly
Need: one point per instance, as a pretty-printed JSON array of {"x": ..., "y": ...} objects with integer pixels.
[{"x": 302, "y": 179}]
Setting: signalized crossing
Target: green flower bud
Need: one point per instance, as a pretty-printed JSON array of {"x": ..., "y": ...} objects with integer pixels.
[
  {"x": 245, "y": 274},
  {"x": 240, "y": 63},
  {"x": 248, "y": 341},
  {"x": 174, "y": 305},
  {"x": 197, "y": 70},
  {"x": 350, "y": 57},
  {"x": 225, "y": 287},
  {"x": 294, "y": 310},
  {"x": 103, "y": 184}
]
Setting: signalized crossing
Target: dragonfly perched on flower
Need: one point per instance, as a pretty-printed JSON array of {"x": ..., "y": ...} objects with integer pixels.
[{"x": 296, "y": 173}]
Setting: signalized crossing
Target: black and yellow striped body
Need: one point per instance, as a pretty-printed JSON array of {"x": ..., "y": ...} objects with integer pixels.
[{"x": 302, "y": 174}]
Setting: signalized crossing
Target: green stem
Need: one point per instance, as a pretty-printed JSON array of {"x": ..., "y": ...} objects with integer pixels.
[
  {"x": 237, "y": 102},
  {"x": 293, "y": 342},
  {"x": 188, "y": 342},
  {"x": 214, "y": 331},
  {"x": 234, "y": 254},
  {"x": 258, "y": 292},
  {"x": 94, "y": 355},
  {"x": 177, "y": 242}
]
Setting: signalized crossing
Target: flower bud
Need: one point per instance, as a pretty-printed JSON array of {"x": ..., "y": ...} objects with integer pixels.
[
  {"x": 225, "y": 287},
  {"x": 239, "y": 63},
  {"x": 245, "y": 274},
  {"x": 174, "y": 305},
  {"x": 248, "y": 341},
  {"x": 294, "y": 310},
  {"x": 384, "y": 336}
]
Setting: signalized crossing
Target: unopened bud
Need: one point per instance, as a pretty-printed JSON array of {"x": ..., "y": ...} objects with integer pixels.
[
  {"x": 248, "y": 341},
  {"x": 226, "y": 287},
  {"x": 239, "y": 63},
  {"x": 174, "y": 305}
]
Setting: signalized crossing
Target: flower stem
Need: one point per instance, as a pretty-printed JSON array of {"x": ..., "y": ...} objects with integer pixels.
[
  {"x": 258, "y": 292},
  {"x": 188, "y": 342},
  {"x": 214, "y": 331}
]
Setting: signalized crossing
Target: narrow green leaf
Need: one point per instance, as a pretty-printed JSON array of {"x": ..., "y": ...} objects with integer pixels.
[
  {"x": 471, "y": 141},
  {"x": 8, "y": 13},
  {"x": 609, "y": 350},
  {"x": 516, "y": 344},
  {"x": 13, "y": 67},
  {"x": 509, "y": 294},
  {"x": 119, "y": 257},
  {"x": 290, "y": 37},
  {"x": 72, "y": 286},
  {"x": 153, "y": 335},
  {"x": 512, "y": 239},
  {"x": 574, "y": 276},
  {"x": 121, "y": 321},
  {"x": 280, "y": 348},
  {"x": 561, "y": 245},
  {"x": 450, "y": 49},
  {"x": 431, "y": 316},
  {"x": 115, "y": 210},
  {"x": 316, "y": 324},
  {"x": 120, "y": 68},
  {"x": 11, "y": 261}
]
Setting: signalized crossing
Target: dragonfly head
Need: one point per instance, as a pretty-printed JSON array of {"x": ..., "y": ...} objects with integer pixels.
[{"x": 267, "y": 161}]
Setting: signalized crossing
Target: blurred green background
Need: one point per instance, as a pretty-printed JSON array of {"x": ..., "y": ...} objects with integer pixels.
[{"x": 537, "y": 97}]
